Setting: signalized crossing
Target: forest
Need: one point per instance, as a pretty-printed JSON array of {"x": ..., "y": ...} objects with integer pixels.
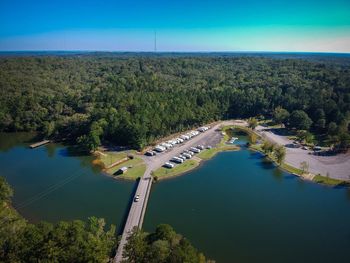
[
  {"x": 134, "y": 100},
  {"x": 83, "y": 241}
]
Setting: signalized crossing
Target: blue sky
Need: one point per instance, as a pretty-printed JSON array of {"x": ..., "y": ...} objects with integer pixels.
[{"x": 192, "y": 25}]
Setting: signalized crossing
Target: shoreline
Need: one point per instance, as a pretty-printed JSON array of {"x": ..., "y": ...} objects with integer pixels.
[
  {"x": 314, "y": 178},
  {"x": 222, "y": 146},
  {"x": 200, "y": 163},
  {"x": 196, "y": 161}
]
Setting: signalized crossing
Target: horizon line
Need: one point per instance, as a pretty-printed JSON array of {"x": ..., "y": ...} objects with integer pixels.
[{"x": 155, "y": 52}]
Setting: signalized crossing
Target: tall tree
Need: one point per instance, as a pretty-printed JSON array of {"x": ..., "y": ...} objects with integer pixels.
[{"x": 280, "y": 154}]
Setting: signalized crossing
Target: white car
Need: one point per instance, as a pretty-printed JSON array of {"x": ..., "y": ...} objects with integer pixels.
[
  {"x": 159, "y": 148},
  {"x": 137, "y": 198},
  {"x": 182, "y": 157},
  {"x": 187, "y": 155}
]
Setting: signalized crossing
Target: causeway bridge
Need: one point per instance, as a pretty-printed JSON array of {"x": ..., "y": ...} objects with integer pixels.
[{"x": 136, "y": 212}]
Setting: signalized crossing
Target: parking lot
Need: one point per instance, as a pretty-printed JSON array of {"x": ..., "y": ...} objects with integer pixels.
[{"x": 211, "y": 137}]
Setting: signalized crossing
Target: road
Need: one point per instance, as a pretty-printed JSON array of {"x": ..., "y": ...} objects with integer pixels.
[
  {"x": 136, "y": 212},
  {"x": 138, "y": 209}
]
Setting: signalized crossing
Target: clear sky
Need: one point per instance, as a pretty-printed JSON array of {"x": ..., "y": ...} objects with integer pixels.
[{"x": 181, "y": 25}]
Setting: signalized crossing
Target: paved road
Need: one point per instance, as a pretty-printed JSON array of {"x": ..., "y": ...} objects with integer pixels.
[
  {"x": 136, "y": 212},
  {"x": 137, "y": 209}
]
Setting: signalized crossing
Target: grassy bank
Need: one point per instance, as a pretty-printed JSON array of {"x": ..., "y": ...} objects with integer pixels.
[
  {"x": 329, "y": 181},
  {"x": 188, "y": 165},
  {"x": 284, "y": 166},
  {"x": 136, "y": 166},
  {"x": 205, "y": 154},
  {"x": 210, "y": 153}
]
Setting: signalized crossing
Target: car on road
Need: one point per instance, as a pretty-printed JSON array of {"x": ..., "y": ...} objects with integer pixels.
[{"x": 137, "y": 198}]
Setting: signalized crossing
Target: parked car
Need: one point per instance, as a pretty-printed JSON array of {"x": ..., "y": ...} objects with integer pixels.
[
  {"x": 317, "y": 148},
  {"x": 177, "y": 160},
  {"x": 168, "y": 165},
  {"x": 150, "y": 153},
  {"x": 187, "y": 155}
]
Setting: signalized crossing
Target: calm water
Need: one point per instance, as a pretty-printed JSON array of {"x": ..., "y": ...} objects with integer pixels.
[
  {"x": 238, "y": 208},
  {"x": 234, "y": 208},
  {"x": 51, "y": 184}
]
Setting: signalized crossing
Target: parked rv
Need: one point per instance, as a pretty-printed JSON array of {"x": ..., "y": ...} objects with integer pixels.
[
  {"x": 168, "y": 165},
  {"x": 182, "y": 157},
  {"x": 177, "y": 160},
  {"x": 195, "y": 150}
]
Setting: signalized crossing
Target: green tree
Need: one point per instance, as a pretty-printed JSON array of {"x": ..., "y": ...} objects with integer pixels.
[
  {"x": 305, "y": 136},
  {"x": 332, "y": 128},
  {"x": 49, "y": 128},
  {"x": 6, "y": 191},
  {"x": 304, "y": 167},
  {"x": 300, "y": 120},
  {"x": 135, "y": 250},
  {"x": 268, "y": 147},
  {"x": 280, "y": 154},
  {"x": 252, "y": 123},
  {"x": 280, "y": 115}
]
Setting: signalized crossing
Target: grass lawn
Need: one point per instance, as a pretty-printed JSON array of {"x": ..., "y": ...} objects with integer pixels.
[
  {"x": 178, "y": 169},
  {"x": 291, "y": 169},
  {"x": 284, "y": 166},
  {"x": 210, "y": 153},
  {"x": 110, "y": 157},
  {"x": 137, "y": 165},
  {"x": 256, "y": 147},
  {"x": 137, "y": 169},
  {"x": 328, "y": 181}
]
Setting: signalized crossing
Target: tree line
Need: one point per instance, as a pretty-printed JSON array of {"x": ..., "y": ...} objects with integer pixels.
[{"x": 134, "y": 100}]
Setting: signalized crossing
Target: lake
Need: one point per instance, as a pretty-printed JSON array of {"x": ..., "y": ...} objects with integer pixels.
[{"x": 237, "y": 207}]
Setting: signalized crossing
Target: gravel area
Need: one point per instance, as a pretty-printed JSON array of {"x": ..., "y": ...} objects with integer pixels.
[{"x": 337, "y": 166}]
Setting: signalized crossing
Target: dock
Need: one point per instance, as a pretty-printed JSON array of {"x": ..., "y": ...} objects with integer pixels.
[
  {"x": 136, "y": 212},
  {"x": 38, "y": 144}
]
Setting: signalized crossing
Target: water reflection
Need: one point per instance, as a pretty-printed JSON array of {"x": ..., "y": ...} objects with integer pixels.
[
  {"x": 10, "y": 140},
  {"x": 50, "y": 150},
  {"x": 278, "y": 175},
  {"x": 266, "y": 164}
]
